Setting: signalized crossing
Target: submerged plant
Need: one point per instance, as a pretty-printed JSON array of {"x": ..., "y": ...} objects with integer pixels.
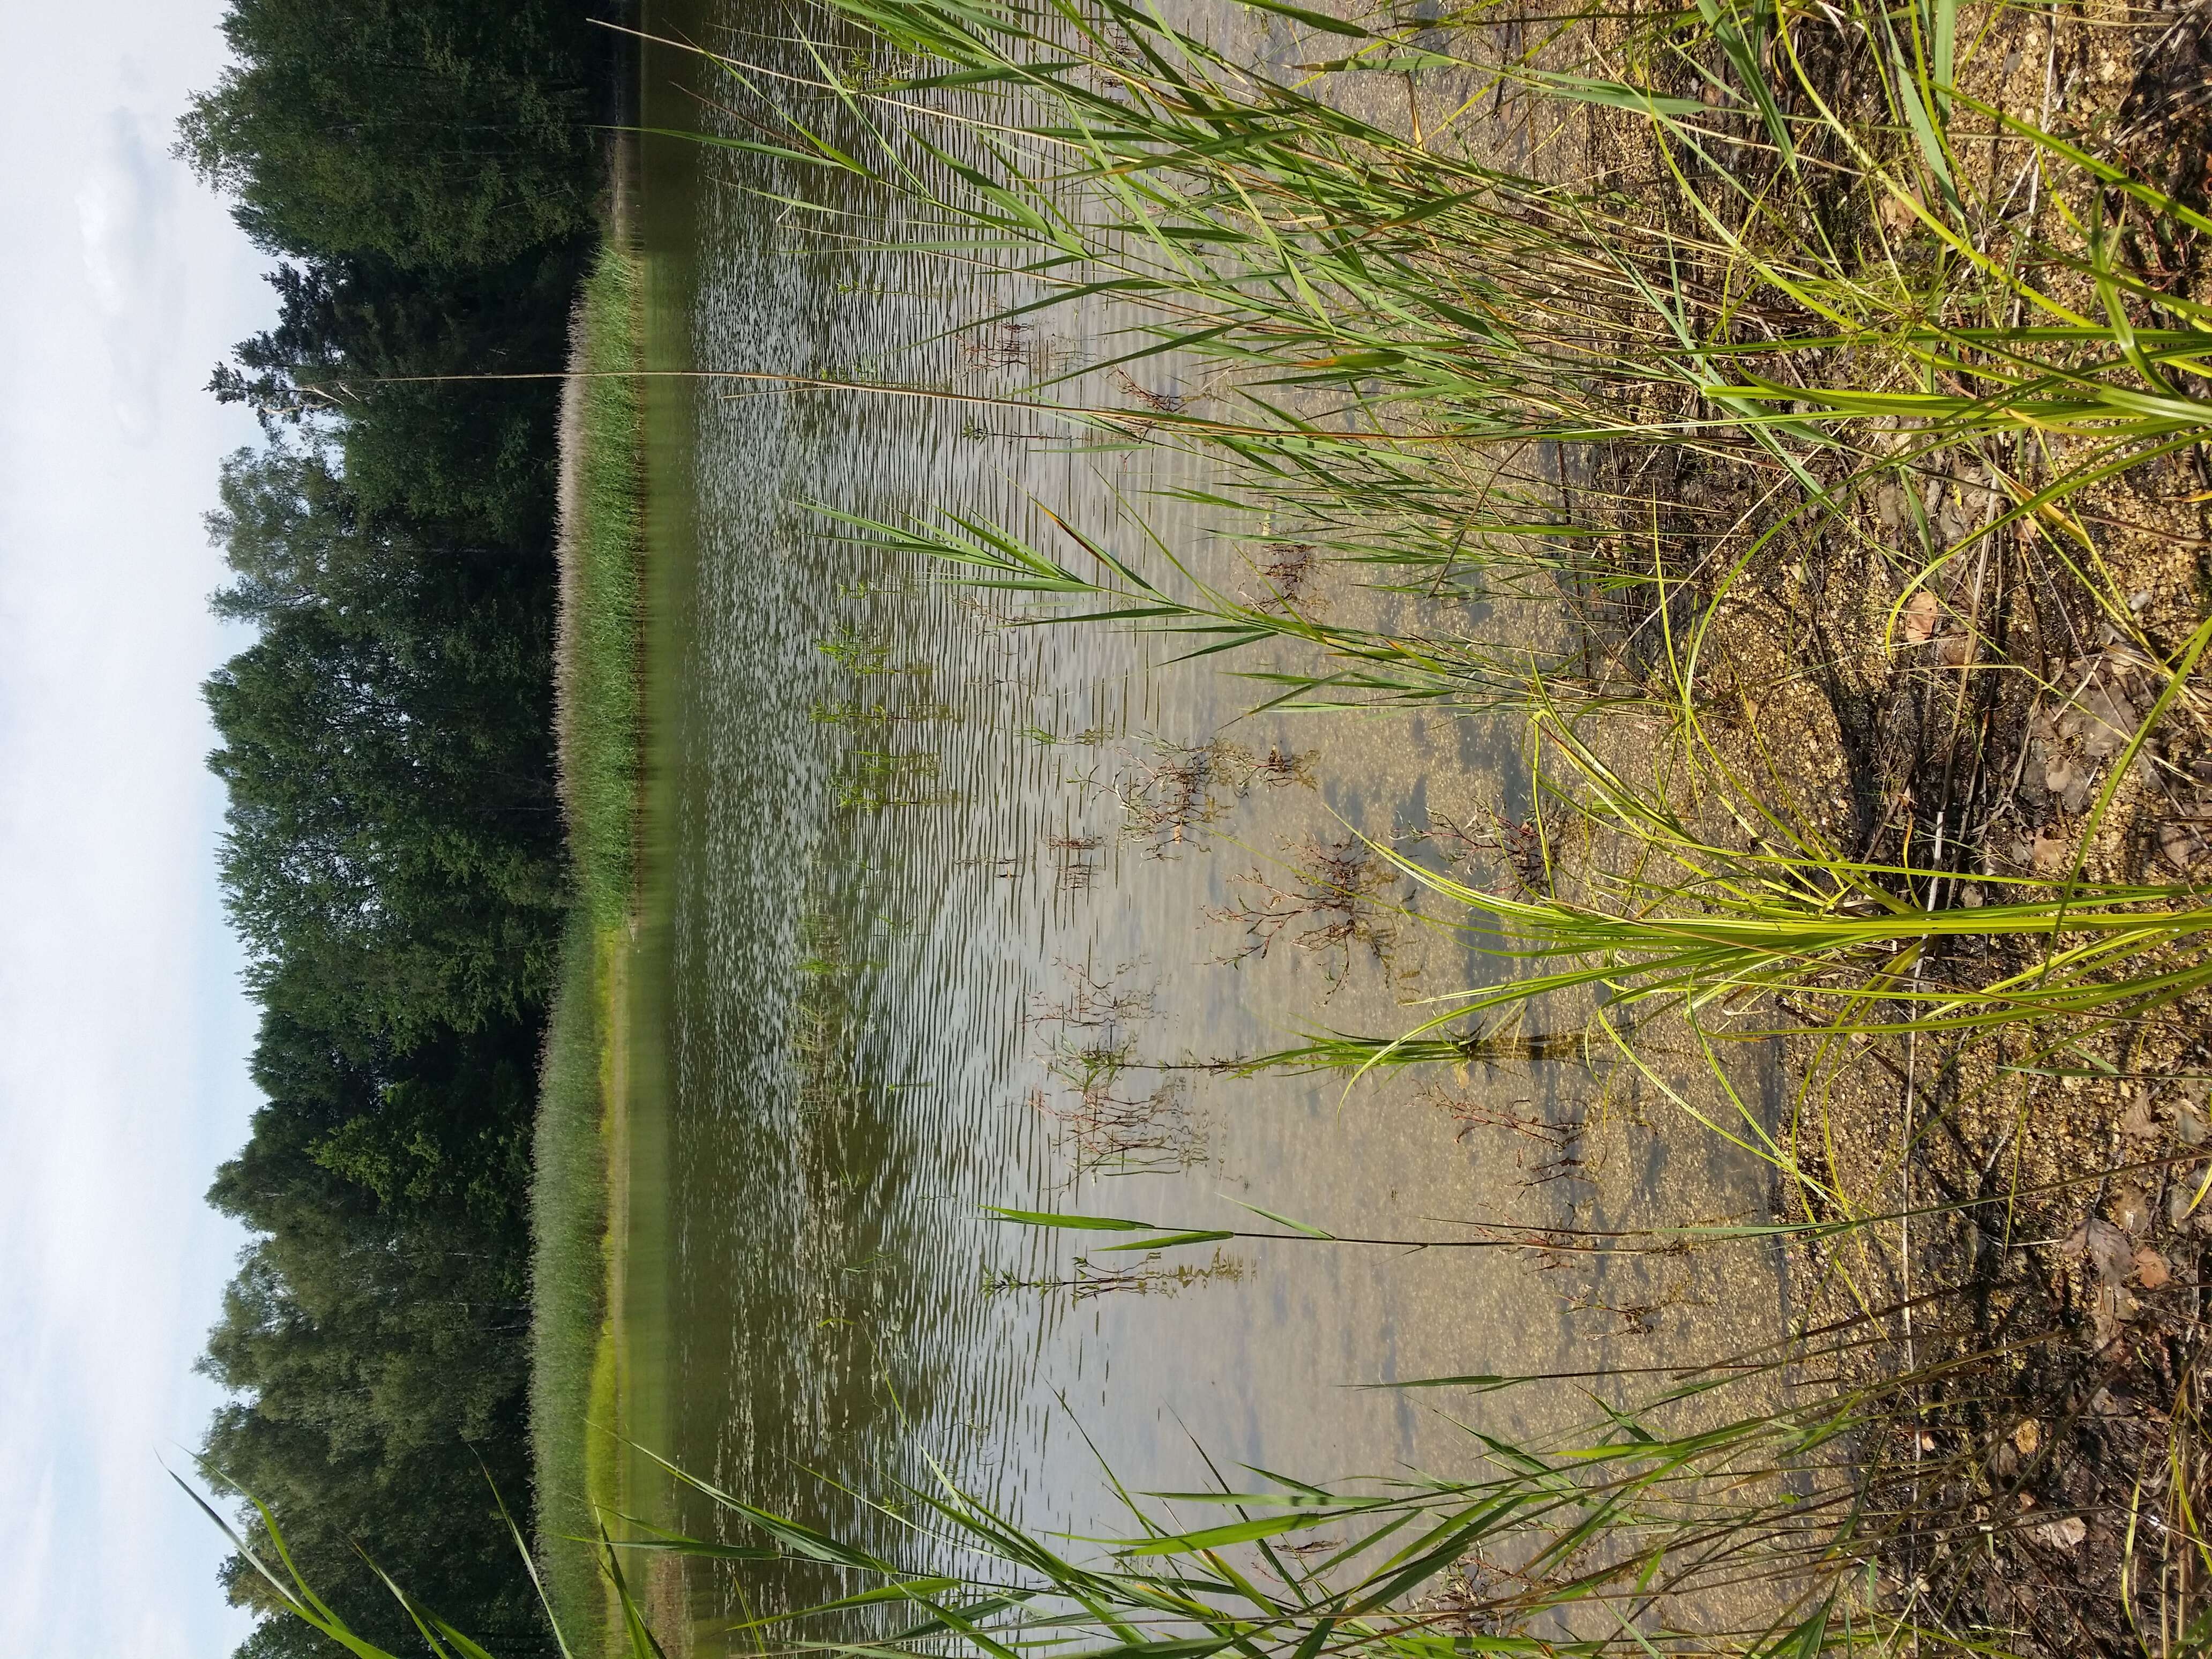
[{"x": 1335, "y": 909}]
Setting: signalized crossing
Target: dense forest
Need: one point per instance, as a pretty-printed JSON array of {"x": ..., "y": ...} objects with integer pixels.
[{"x": 424, "y": 173}]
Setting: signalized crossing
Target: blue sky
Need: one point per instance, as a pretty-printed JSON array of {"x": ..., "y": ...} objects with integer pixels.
[{"x": 123, "y": 1031}]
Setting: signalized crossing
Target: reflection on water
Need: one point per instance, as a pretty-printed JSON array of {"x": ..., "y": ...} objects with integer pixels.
[{"x": 948, "y": 912}]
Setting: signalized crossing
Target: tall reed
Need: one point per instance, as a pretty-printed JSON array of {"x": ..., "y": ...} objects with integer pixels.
[
  {"x": 1392, "y": 327},
  {"x": 1705, "y": 1515},
  {"x": 1412, "y": 357}
]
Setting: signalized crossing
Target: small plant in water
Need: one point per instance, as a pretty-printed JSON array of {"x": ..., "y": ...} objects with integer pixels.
[
  {"x": 857, "y": 653},
  {"x": 1334, "y": 911},
  {"x": 1110, "y": 1132},
  {"x": 1092, "y": 1002},
  {"x": 1520, "y": 848},
  {"x": 1151, "y": 1278},
  {"x": 883, "y": 778},
  {"x": 1109, "y": 1124},
  {"x": 1072, "y": 869},
  {"x": 1175, "y": 791},
  {"x": 1286, "y": 571},
  {"x": 1556, "y": 1147}
]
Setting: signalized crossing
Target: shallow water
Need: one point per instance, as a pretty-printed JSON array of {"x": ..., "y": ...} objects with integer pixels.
[{"x": 894, "y": 894}]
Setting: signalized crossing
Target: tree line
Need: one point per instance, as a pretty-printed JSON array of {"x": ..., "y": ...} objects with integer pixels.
[{"x": 424, "y": 173}]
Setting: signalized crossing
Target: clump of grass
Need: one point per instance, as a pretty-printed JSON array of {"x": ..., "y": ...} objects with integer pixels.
[
  {"x": 1449, "y": 668},
  {"x": 1696, "y": 919},
  {"x": 1700, "y": 922},
  {"x": 1825, "y": 1494},
  {"x": 570, "y": 1378},
  {"x": 1500, "y": 1041},
  {"x": 599, "y": 694},
  {"x": 1807, "y": 287},
  {"x": 1807, "y": 293},
  {"x": 600, "y": 720}
]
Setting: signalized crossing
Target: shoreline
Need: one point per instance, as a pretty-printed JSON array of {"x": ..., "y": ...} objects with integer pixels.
[{"x": 579, "y": 1207}]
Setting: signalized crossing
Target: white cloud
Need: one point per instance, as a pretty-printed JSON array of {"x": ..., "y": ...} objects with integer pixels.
[
  {"x": 123, "y": 1031},
  {"x": 125, "y": 227}
]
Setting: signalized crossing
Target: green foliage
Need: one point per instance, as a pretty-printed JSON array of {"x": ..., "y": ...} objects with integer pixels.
[
  {"x": 601, "y": 702},
  {"x": 1704, "y": 1517},
  {"x": 375, "y": 1346},
  {"x": 432, "y": 132},
  {"x": 568, "y": 1280},
  {"x": 1448, "y": 308},
  {"x": 393, "y": 857}
]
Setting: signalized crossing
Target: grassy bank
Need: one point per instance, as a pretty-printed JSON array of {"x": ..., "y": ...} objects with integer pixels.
[
  {"x": 598, "y": 685},
  {"x": 575, "y": 1201}
]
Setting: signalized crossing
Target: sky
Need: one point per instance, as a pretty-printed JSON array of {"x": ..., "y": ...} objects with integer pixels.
[{"x": 124, "y": 1031}]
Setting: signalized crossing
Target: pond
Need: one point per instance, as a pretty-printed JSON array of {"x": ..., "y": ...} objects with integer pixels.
[{"x": 945, "y": 911}]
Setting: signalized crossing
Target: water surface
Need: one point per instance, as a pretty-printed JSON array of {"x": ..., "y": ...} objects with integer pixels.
[{"x": 897, "y": 896}]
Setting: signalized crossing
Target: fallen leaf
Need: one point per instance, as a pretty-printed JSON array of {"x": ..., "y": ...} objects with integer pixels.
[
  {"x": 2178, "y": 1206},
  {"x": 2110, "y": 1253},
  {"x": 1897, "y": 218},
  {"x": 2051, "y": 853},
  {"x": 2180, "y": 845},
  {"x": 2064, "y": 1535},
  {"x": 2130, "y": 1209},
  {"x": 2151, "y": 1270},
  {"x": 2027, "y": 1436},
  {"x": 2110, "y": 720},
  {"x": 2112, "y": 1309},
  {"x": 1919, "y": 619}
]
